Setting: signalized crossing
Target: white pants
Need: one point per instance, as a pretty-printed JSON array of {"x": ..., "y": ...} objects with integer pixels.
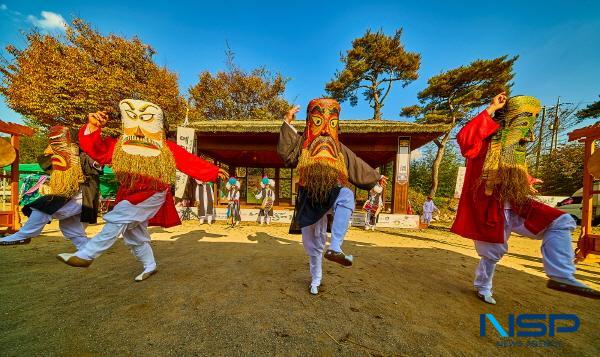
[
  {"x": 266, "y": 219},
  {"x": 314, "y": 236},
  {"x": 427, "y": 216},
  {"x": 69, "y": 222},
  {"x": 313, "y": 239},
  {"x": 557, "y": 251},
  {"x": 132, "y": 222}
]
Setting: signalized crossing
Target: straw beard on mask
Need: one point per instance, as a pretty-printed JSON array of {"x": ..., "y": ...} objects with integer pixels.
[
  {"x": 66, "y": 182},
  {"x": 131, "y": 168},
  {"x": 321, "y": 174},
  {"x": 66, "y": 173}
]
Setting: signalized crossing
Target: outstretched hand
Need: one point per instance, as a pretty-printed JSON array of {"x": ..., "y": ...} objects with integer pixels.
[
  {"x": 97, "y": 120},
  {"x": 498, "y": 102},
  {"x": 534, "y": 181},
  {"x": 289, "y": 116}
]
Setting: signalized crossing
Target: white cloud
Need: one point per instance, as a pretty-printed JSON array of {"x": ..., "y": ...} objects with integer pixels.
[
  {"x": 49, "y": 21},
  {"x": 3, "y": 7}
]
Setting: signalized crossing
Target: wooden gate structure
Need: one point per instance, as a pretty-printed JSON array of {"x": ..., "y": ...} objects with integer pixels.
[
  {"x": 10, "y": 218},
  {"x": 588, "y": 242}
]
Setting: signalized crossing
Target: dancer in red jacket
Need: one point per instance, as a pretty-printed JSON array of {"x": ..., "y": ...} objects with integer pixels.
[
  {"x": 496, "y": 199},
  {"x": 144, "y": 163}
]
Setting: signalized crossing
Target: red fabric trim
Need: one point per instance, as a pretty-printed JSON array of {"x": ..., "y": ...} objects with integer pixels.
[{"x": 192, "y": 165}]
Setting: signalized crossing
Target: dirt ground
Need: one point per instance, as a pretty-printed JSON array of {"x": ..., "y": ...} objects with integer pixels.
[{"x": 244, "y": 291}]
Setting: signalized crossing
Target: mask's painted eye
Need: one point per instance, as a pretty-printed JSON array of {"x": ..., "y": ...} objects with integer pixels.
[
  {"x": 146, "y": 117},
  {"x": 130, "y": 114},
  {"x": 333, "y": 123},
  {"x": 317, "y": 121}
]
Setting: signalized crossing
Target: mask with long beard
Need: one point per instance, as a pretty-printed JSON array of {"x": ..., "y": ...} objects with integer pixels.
[
  {"x": 141, "y": 152},
  {"x": 505, "y": 168},
  {"x": 321, "y": 165},
  {"x": 66, "y": 173}
]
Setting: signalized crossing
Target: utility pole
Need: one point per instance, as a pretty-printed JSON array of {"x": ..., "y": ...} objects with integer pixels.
[
  {"x": 540, "y": 141},
  {"x": 555, "y": 126}
]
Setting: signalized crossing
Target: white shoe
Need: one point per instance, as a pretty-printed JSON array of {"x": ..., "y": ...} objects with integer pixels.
[
  {"x": 145, "y": 275},
  {"x": 73, "y": 260},
  {"x": 209, "y": 223},
  {"x": 314, "y": 289},
  {"x": 487, "y": 298}
]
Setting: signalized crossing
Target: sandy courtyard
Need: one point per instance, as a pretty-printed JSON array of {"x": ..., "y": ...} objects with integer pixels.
[{"x": 244, "y": 291}]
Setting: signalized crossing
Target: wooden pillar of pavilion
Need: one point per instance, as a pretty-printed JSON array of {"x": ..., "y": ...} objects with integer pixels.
[{"x": 401, "y": 174}]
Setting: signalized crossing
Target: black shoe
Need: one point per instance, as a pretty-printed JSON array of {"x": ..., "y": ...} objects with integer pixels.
[
  {"x": 339, "y": 257},
  {"x": 573, "y": 289},
  {"x": 16, "y": 242}
]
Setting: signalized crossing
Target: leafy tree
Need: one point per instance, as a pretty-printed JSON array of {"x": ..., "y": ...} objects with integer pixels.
[
  {"x": 237, "y": 94},
  {"x": 561, "y": 170},
  {"x": 451, "y": 98},
  {"x": 373, "y": 64},
  {"x": 420, "y": 170},
  {"x": 591, "y": 111},
  {"x": 31, "y": 147},
  {"x": 83, "y": 71}
]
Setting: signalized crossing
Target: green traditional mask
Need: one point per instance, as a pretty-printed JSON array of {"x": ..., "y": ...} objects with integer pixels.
[
  {"x": 505, "y": 168},
  {"x": 519, "y": 119}
]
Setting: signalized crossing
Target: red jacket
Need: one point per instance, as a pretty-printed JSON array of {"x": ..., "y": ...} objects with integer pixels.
[
  {"x": 101, "y": 149},
  {"x": 481, "y": 217}
]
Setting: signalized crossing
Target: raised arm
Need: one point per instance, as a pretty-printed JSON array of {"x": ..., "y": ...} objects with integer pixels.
[
  {"x": 289, "y": 146},
  {"x": 91, "y": 141},
  {"x": 471, "y": 137},
  {"x": 194, "y": 166}
]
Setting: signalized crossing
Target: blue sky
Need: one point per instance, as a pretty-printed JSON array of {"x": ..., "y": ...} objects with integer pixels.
[{"x": 558, "y": 41}]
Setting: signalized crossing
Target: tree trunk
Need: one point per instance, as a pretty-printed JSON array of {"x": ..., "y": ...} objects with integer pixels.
[
  {"x": 435, "y": 168},
  {"x": 377, "y": 111},
  {"x": 376, "y": 102}
]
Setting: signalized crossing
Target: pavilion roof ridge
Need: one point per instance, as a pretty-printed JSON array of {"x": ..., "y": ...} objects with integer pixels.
[{"x": 354, "y": 126}]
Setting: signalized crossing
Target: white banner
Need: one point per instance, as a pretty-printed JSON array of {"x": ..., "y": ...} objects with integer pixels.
[
  {"x": 388, "y": 220},
  {"x": 403, "y": 161},
  {"x": 460, "y": 180},
  {"x": 251, "y": 215},
  {"x": 285, "y": 216},
  {"x": 186, "y": 139}
]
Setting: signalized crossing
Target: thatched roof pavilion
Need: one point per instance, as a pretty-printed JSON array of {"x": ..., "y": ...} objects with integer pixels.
[{"x": 254, "y": 143}]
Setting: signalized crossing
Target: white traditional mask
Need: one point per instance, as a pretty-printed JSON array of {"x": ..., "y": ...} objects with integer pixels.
[{"x": 143, "y": 130}]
